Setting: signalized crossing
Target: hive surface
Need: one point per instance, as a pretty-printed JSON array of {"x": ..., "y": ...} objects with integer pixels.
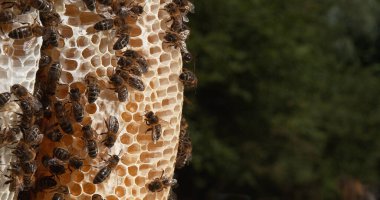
[{"x": 85, "y": 51}]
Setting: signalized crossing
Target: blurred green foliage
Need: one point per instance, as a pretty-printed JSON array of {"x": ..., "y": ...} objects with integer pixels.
[{"x": 288, "y": 97}]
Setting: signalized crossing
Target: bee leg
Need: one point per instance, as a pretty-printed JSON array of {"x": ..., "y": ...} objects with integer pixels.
[{"x": 149, "y": 129}]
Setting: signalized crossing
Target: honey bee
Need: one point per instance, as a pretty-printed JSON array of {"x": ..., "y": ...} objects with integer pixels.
[
  {"x": 104, "y": 25},
  {"x": 44, "y": 61},
  {"x": 54, "y": 135},
  {"x": 105, "y": 2},
  {"x": 29, "y": 167},
  {"x": 172, "y": 195},
  {"x": 120, "y": 88},
  {"x": 90, "y": 4},
  {"x": 27, "y": 181},
  {"x": 63, "y": 121},
  {"x": 177, "y": 40},
  {"x": 4, "y": 98},
  {"x": 152, "y": 120},
  {"x": 140, "y": 60},
  {"x": 19, "y": 91},
  {"x": 60, "y": 193},
  {"x": 50, "y": 18},
  {"x": 159, "y": 184},
  {"x": 175, "y": 12},
  {"x": 24, "y": 195},
  {"x": 97, "y": 197},
  {"x": 135, "y": 82},
  {"x": 61, "y": 153},
  {"x": 53, "y": 77},
  {"x": 6, "y": 16},
  {"x": 105, "y": 172},
  {"x": 92, "y": 148},
  {"x": 178, "y": 26},
  {"x": 8, "y": 136},
  {"x": 50, "y": 37},
  {"x": 92, "y": 88},
  {"x": 15, "y": 182},
  {"x": 188, "y": 78},
  {"x": 121, "y": 42},
  {"x": 75, "y": 162},
  {"x": 184, "y": 153},
  {"x": 26, "y": 32},
  {"x": 77, "y": 108},
  {"x": 45, "y": 182},
  {"x": 24, "y": 152},
  {"x": 186, "y": 56},
  {"x": 111, "y": 134},
  {"x": 55, "y": 167},
  {"x": 185, "y": 6},
  {"x": 33, "y": 136},
  {"x": 41, "y": 5}
]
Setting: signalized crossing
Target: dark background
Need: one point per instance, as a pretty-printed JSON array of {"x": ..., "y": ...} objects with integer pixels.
[{"x": 287, "y": 103}]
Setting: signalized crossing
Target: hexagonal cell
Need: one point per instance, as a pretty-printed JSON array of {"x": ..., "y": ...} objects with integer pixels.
[
  {"x": 132, "y": 107},
  {"x": 75, "y": 189},
  {"x": 91, "y": 108},
  {"x": 88, "y": 188},
  {"x": 120, "y": 191}
]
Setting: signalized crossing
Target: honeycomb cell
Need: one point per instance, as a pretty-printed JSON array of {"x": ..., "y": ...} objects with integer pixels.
[
  {"x": 70, "y": 53},
  {"x": 132, "y": 128},
  {"x": 172, "y": 89},
  {"x": 139, "y": 97},
  {"x": 106, "y": 60},
  {"x": 155, "y": 147},
  {"x": 153, "y": 38},
  {"x": 125, "y": 139},
  {"x": 88, "y": 52},
  {"x": 65, "y": 178},
  {"x": 168, "y": 152},
  {"x": 136, "y": 31},
  {"x": 120, "y": 171},
  {"x": 140, "y": 181},
  {"x": 161, "y": 93},
  {"x": 163, "y": 70},
  {"x": 62, "y": 91},
  {"x": 66, "y": 77},
  {"x": 126, "y": 116},
  {"x": 165, "y": 57},
  {"x": 103, "y": 46},
  {"x": 157, "y": 106},
  {"x": 136, "y": 42},
  {"x": 134, "y": 149},
  {"x": 127, "y": 181},
  {"x": 71, "y": 10},
  {"x": 156, "y": 26},
  {"x": 101, "y": 72},
  {"x": 112, "y": 197},
  {"x": 132, "y": 107},
  {"x": 82, "y": 41},
  {"x": 91, "y": 108},
  {"x": 66, "y": 31},
  {"x": 95, "y": 61},
  {"x": 164, "y": 81},
  {"x": 88, "y": 188},
  {"x": 162, "y": 163},
  {"x": 150, "y": 18},
  {"x": 89, "y": 18},
  {"x": 155, "y": 50},
  {"x": 95, "y": 39},
  {"x": 174, "y": 66},
  {"x": 120, "y": 191},
  {"x": 77, "y": 176}
]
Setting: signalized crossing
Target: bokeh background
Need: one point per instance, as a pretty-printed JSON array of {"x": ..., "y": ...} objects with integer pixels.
[{"x": 288, "y": 100}]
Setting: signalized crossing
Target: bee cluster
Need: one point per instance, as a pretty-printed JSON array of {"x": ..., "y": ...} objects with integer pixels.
[{"x": 55, "y": 137}]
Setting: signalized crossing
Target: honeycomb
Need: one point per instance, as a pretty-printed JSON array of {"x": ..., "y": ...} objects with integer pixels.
[{"x": 84, "y": 51}]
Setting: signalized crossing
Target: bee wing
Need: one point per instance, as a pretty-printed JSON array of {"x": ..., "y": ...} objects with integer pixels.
[
  {"x": 185, "y": 18},
  {"x": 184, "y": 34},
  {"x": 183, "y": 47},
  {"x": 190, "y": 7},
  {"x": 28, "y": 44}
]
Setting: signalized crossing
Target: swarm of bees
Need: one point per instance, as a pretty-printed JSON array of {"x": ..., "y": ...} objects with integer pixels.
[{"x": 45, "y": 116}]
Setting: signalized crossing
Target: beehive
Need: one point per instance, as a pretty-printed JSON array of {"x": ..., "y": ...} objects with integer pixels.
[{"x": 82, "y": 51}]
